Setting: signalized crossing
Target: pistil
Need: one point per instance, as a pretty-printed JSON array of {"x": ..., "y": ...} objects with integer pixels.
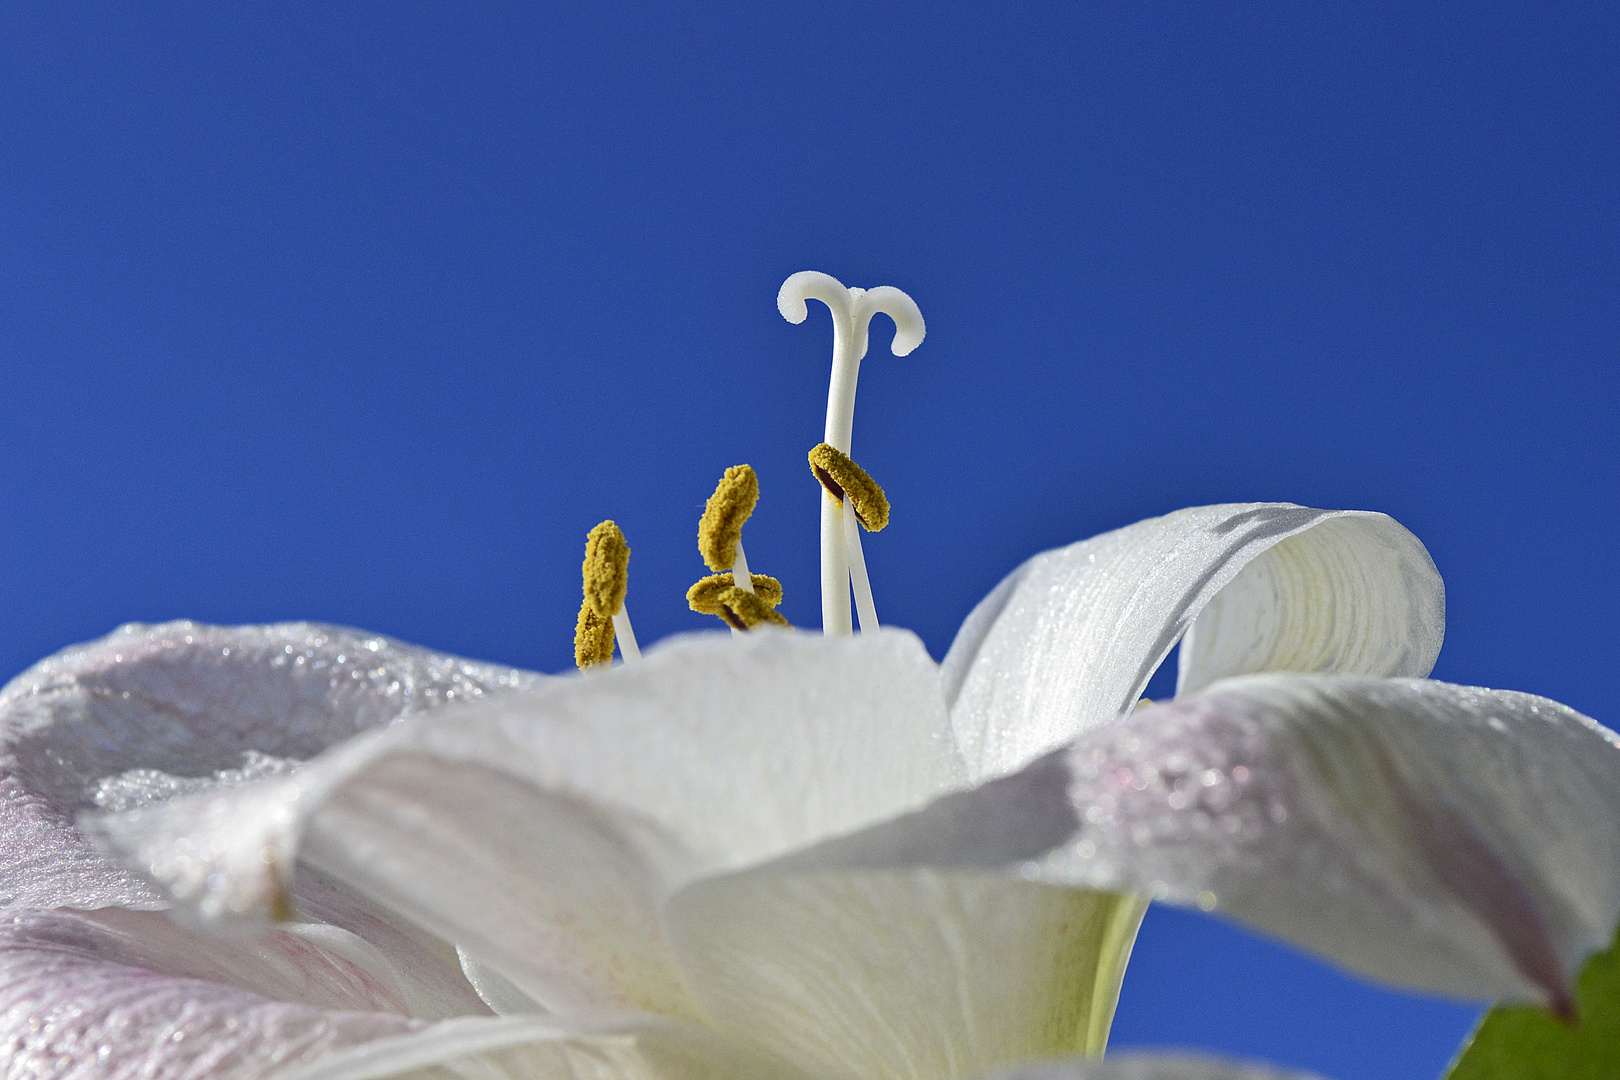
[{"x": 852, "y": 311}]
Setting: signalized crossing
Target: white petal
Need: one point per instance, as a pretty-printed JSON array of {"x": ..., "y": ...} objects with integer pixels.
[
  {"x": 904, "y": 974},
  {"x": 523, "y": 830},
  {"x": 327, "y": 968},
  {"x": 110, "y": 996},
  {"x": 149, "y": 712},
  {"x": 1447, "y": 838},
  {"x": 740, "y": 748},
  {"x": 560, "y": 897},
  {"x": 1070, "y": 638},
  {"x": 629, "y": 1047},
  {"x": 73, "y": 1008},
  {"x": 1151, "y": 1067},
  {"x": 427, "y": 968},
  {"x": 1354, "y": 594}
]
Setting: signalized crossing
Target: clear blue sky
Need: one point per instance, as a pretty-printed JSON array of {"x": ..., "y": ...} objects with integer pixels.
[{"x": 365, "y": 315}]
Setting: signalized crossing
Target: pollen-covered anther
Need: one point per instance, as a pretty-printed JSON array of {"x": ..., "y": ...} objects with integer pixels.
[
  {"x": 844, "y": 479},
  {"x": 593, "y": 638},
  {"x": 746, "y": 610},
  {"x": 704, "y": 596},
  {"x": 602, "y": 615},
  {"x": 720, "y": 528},
  {"x": 607, "y": 570}
]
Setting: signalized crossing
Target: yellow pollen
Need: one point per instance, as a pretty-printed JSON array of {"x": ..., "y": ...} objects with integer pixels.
[
  {"x": 720, "y": 528},
  {"x": 607, "y": 570},
  {"x": 593, "y": 638},
  {"x": 704, "y": 597},
  {"x": 843, "y": 478},
  {"x": 746, "y": 610}
]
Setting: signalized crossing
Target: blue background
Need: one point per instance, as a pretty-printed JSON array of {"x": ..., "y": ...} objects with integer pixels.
[{"x": 334, "y": 312}]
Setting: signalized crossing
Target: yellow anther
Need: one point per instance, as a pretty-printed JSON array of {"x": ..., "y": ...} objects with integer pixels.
[
  {"x": 842, "y": 477},
  {"x": 720, "y": 528},
  {"x": 607, "y": 570},
  {"x": 593, "y": 638},
  {"x": 746, "y": 610},
  {"x": 704, "y": 597}
]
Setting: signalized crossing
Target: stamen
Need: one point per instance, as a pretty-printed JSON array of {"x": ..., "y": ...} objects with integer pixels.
[
  {"x": 852, "y": 311},
  {"x": 842, "y": 477},
  {"x": 607, "y": 569},
  {"x": 627, "y": 637},
  {"x": 607, "y": 579},
  {"x": 704, "y": 596},
  {"x": 720, "y": 528},
  {"x": 746, "y": 610},
  {"x": 739, "y": 570},
  {"x": 593, "y": 638},
  {"x": 857, "y": 571}
]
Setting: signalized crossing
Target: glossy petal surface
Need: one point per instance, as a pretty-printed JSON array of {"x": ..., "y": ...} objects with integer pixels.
[
  {"x": 1354, "y": 594},
  {"x": 558, "y": 895},
  {"x": 1069, "y": 640},
  {"x": 904, "y": 974},
  {"x": 151, "y": 712},
  {"x": 523, "y": 829},
  {"x": 1445, "y": 838},
  {"x": 73, "y": 1006}
]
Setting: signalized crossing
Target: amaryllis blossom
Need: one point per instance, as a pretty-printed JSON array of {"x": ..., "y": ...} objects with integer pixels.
[{"x": 301, "y": 851}]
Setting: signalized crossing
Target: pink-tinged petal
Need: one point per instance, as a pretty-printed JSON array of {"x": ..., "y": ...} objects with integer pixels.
[
  {"x": 1446, "y": 838},
  {"x": 1152, "y": 1067},
  {"x": 427, "y": 969},
  {"x": 74, "y": 1005},
  {"x": 120, "y": 995},
  {"x": 919, "y": 973},
  {"x": 151, "y": 712},
  {"x": 524, "y": 829},
  {"x": 326, "y": 969},
  {"x": 1069, "y": 639}
]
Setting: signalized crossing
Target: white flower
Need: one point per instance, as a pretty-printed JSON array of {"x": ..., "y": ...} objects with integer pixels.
[
  {"x": 747, "y": 853},
  {"x": 779, "y": 854}
]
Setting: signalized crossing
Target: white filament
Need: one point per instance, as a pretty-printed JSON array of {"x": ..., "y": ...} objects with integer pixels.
[
  {"x": 834, "y": 569},
  {"x": 852, "y": 311},
  {"x": 740, "y": 576},
  {"x": 626, "y": 636},
  {"x": 739, "y": 571},
  {"x": 857, "y": 572}
]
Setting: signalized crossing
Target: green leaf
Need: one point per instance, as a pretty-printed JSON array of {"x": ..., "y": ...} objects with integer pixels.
[{"x": 1526, "y": 1042}]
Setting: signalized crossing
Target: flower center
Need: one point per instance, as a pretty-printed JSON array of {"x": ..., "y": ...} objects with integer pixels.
[{"x": 740, "y": 598}]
